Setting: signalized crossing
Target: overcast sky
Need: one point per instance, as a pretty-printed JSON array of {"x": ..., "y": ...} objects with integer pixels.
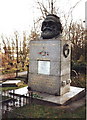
[{"x": 18, "y": 15}]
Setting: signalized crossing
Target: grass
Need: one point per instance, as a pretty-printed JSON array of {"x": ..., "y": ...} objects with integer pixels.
[
  {"x": 43, "y": 111},
  {"x": 34, "y": 110}
]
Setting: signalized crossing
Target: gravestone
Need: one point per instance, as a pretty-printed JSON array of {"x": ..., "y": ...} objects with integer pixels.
[
  {"x": 49, "y": 64},
  {"x": 12, "y": 83}
]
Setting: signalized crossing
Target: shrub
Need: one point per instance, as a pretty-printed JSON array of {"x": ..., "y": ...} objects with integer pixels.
[{"x": 78, "y": 67}]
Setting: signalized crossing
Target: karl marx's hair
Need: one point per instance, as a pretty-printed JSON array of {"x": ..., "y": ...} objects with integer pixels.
[{"x": 57, "y": 19}]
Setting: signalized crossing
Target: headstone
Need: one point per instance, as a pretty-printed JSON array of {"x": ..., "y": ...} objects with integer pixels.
[
  {"x": 49, "y": 65},
  {"x": 11, "y": 83}
]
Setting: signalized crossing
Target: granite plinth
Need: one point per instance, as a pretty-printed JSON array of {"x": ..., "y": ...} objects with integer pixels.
[{"x": 49, "y": 69}]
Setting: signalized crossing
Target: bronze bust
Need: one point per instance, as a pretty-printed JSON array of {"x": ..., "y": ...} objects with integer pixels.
[{"x": 51, "y": 27}]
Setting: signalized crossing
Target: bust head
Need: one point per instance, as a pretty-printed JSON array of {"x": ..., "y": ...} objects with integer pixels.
[{"x": 51, "y": 27}]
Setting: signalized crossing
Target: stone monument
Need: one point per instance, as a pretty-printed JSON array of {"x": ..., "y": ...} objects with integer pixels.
[
  {"x": 49, "y": 64},
  {"x": 49, "y": 69}
]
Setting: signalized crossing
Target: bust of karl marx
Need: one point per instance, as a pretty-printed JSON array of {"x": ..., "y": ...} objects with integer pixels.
[{"x": 51, "y": 27}]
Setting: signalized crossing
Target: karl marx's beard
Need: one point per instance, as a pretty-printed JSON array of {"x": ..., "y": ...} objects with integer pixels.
[{"x": 49, "y": 33}]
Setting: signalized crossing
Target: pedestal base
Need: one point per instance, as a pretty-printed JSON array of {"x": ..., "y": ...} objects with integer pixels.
[{"x": 75, "y": 93}]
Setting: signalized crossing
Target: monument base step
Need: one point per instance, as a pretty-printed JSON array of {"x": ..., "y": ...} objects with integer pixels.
[{"x": 74, "y": 94}]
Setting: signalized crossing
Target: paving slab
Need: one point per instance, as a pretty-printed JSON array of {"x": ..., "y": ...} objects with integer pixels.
[
  {"x": 74, "y": 92},
  {"x": 21, "y": 91}
]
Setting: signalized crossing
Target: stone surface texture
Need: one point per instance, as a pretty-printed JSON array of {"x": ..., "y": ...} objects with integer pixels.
[
  {"x": 58, "y": 81},
  {"x": 72, "y": 95}
]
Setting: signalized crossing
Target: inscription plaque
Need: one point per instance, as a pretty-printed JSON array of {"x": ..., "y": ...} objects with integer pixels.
[{"x": 44, "y": 67}]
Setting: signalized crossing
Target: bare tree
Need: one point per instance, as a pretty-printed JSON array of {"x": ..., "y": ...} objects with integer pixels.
[
  {"x": 17, "y": 59},
  {"x": 4, "y": 45},
  {"x": 71, "y": 30},
  {"x": 50, "y": 8},
  {"x": 77, "y": 34}
]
